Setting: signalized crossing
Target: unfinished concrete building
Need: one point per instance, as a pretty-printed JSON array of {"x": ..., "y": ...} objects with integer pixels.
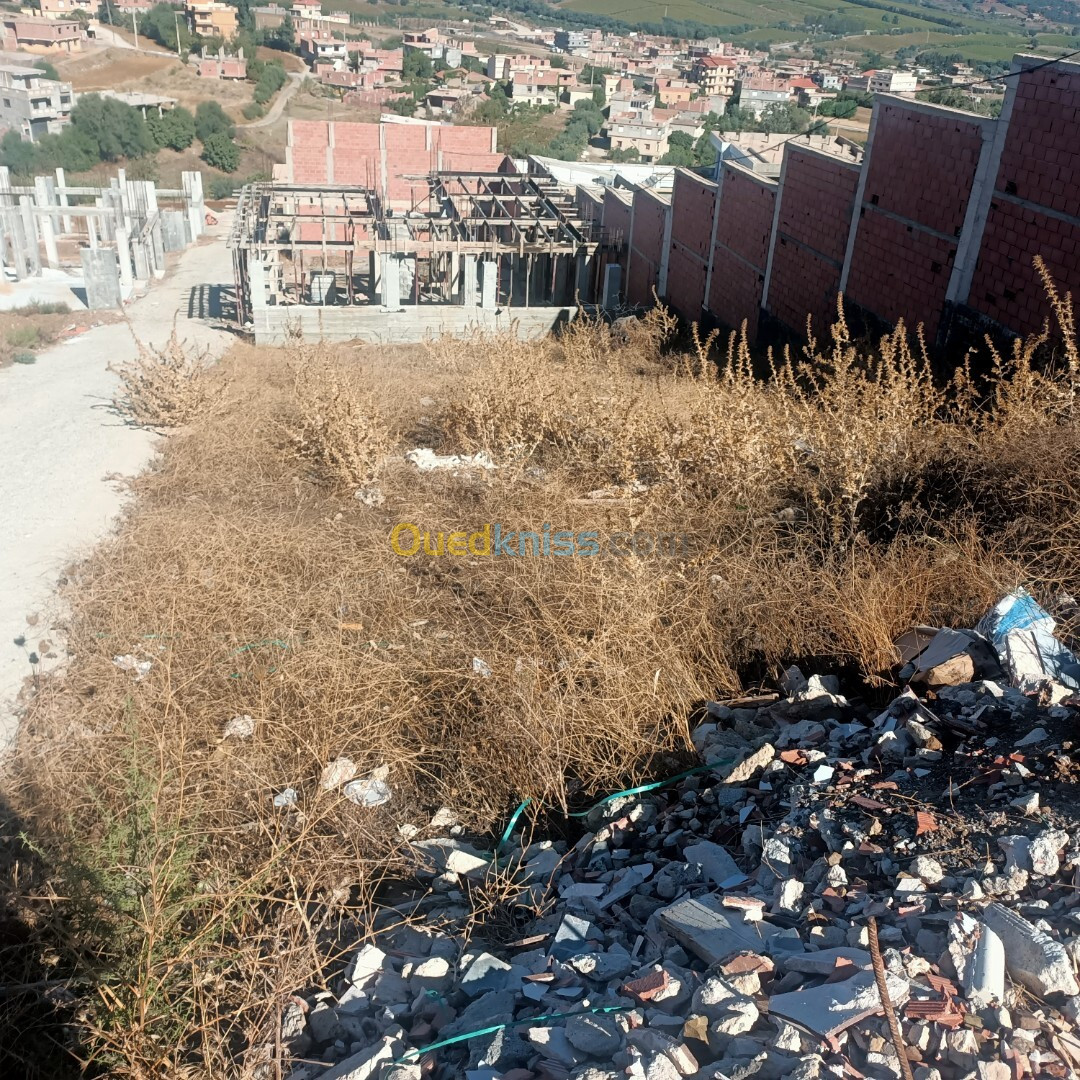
[
  {"x": 117, "y": 236},
  {"x": 488, "y": 251}
]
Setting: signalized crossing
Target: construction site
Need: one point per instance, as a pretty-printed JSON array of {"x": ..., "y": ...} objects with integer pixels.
[{"x": 478, "y": 250}]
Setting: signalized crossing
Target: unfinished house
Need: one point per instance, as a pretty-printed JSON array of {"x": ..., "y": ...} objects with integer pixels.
[{"x": 480, "y": 250}]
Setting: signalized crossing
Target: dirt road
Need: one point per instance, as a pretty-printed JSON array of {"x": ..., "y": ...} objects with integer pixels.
[
  {"x": 60, "y": 444},
  {"x": 295, "y": 79}
]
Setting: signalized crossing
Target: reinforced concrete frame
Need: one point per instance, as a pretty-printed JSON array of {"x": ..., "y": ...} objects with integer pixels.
[{"x": 477, "y": 242}]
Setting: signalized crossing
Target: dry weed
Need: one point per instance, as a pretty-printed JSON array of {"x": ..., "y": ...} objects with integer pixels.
[
  {"x": 827, "y": 508},
  {"x": 170, "y": 385},
  {"x": 337, "y": 426}
]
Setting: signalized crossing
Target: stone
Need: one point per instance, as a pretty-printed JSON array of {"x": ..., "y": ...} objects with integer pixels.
[
  {"x": 716, "y": 863},
  {"x": 322, "y": 1023},
  {"x": 365, "y": 1064},
  {"x": 788, "y": 896},
  {"x": 929, "y": 870},
  {"x": 750, "y": 765},
  {"x": 435, "y": 973},
  {"x": 1017, "y": 852},
  {"x": 575, "y": 935},
  {"x": 830, "y": 1008},
  {"x": 594, "y": 1034},
  {"x": 443, "y": 855},
  {"x": 1044, "y": 852},
  {"x": 1032, "y": 957},
  {"x": 484, "y": 974},
  {"x": 712, "y": 934}
]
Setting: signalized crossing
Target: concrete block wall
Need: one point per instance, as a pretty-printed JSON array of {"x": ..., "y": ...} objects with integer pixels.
[
  {"x": 649, "y": 237},
  {"x": 742, "y": 236},
  {"x": 693, "y": 211},
  {"x": 1032, "y": 201},
  {"x": 813, "y": 218},
  {"x": 914, "y": 193}
]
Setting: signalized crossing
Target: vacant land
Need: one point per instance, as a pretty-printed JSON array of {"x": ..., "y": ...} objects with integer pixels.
[
  {"x": 110, "y": 68},
  {"x": 254, "y": 588}
]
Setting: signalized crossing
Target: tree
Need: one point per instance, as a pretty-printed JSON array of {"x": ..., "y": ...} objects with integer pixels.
[
  {"x": 220, "y": 152},
  {"x": 283, "y": 37},
  {"x": 160, "y": 24},
  {"x": 117, "y": 130},
  {"x": 680, "y": 150},
  {"x": 47, "y": 70},
  {"x": 211, "y": 119},
  {"x": 630, "y": 154},
  {"x": 172, "y": 130},
  {"x": 783, "y": 118},
  {"x": 416, "y": 65}
]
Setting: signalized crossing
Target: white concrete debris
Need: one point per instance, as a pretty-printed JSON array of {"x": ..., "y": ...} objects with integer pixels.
[{"x": 718, "y": 928}]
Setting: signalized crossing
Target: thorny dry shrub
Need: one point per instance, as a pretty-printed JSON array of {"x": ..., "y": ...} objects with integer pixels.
[
  {"x": 826, "y": 509},
  {"x": 337, "y": 426},
  {"x": 168, "y": 385}
]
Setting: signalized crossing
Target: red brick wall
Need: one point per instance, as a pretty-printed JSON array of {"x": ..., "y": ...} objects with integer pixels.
[
  {"x": 693, "y": 201},
  {"x": 919, "y": 167},
  {"x": 816, "y": 201},
  {"x": 743, "y": 235},
  {"x": 646, "y": 246},
  {"x": 410, "y": 151},
  {"x": 1039, "y": 167}
]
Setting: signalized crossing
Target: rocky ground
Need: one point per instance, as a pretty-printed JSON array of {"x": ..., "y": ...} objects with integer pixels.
[{"x": 726, "y": 924}]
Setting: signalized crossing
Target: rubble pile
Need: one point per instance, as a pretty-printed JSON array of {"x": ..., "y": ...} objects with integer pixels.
[{"x": 725, "y": 925}]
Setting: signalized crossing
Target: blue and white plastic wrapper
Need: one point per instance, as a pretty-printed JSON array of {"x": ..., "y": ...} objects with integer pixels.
[{"x": 1022, "y": 634}]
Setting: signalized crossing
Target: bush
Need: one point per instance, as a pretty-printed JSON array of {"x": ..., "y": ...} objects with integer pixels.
[
  {"x": 211, "y": 119},
  {"x": 167, "y": 386},
  {"x": 23, "y": 358},
  {"x": 253, "y": 110},
  {"x": 24, "y": 337},
  {"x": 173, "y": 130},
  {"x": 220, "y": 152},
  {"x": 224, "y": 187}
]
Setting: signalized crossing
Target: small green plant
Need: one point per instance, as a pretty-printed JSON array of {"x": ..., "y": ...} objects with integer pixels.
[
  {"x": 24, "y": 337},
  {"x": 23, "y": 357}
]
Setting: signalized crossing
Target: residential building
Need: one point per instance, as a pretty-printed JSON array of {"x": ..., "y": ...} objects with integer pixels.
[
  {"x": 59, "y": 9},
  {"x": 571, "y": 95},
  {"x": 320, "y": 47},
  {"x": 828, "y": 80},
  {"x": 534, "y": 88},
  {"x": 220, "y": 66},
  {"x": 208, "y": 18},
  {"x": 715, "y": 75},
  {"x": 502, "y": 66},
  {"x": 758, "y": 92},
  {"x": 573, "y": 41},
  {"x": 269, "y": 17},
  {"x": 673, "y": 91},
  {"x": 31, "y": 104},
  {"x": 860, "y": 84},
  {"x": 806, "y": 93},
  {"x": 40, "y": 35},
  {"x": 893, "y": 82},
  {"x": 650, "y": 140}
]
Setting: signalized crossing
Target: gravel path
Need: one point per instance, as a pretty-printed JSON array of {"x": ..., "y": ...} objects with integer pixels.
[{"x": 60, "y": 443}]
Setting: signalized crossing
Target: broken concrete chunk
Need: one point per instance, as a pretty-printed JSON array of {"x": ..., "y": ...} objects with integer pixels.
[
  {"x": 443, "y": 855},
  {"x": 595, "y": 1034},
  {"x": 750, "y": 766},
  {"x": 710, "y": 932},
  {"x": 715, "y": 861},
  {"x": 1033, "y": 958},
  {"x": 832, "y": 1007}
]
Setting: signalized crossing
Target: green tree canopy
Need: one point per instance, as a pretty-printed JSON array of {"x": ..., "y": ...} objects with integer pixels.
[
  {"x": 220, "y": 152},
  {"x": 211, "y": 119},
  {"x": 173, "y": 130}
]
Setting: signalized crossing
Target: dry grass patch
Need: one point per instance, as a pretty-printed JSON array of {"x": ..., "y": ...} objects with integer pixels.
[{"x": 826, "y": 509}]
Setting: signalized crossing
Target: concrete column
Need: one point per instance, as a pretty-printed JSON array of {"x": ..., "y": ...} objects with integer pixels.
[
  {"x": 91, "y": 231},
  {"x": 612, "y": 285},
  {"x": 582, "y": 278},
  {"x": 157, "y": 247},
  {"x": 468, "y": 280},
  {"x": 391, "y": 283},
  {"x": 45, "y": 221},
  {"x": 562, "y": 278},
  {"x": 374, "y": 276},
  {"x": 61, "y": 182},
  {"x": 123, "y": 257},
  {"x": 101, "y": 278},
  {"x": 33, "y": 256},
  {"x": 142, "y": 262},
  {"x": 257, "y": 283},
  {"x": 489, "y": 275}
]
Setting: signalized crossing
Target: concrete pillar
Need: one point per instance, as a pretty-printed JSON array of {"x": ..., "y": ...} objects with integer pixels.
[
  {"x": 489, "y": 275},
  {"x": 33, "y": 256},
  {"x": 374, "y": 276},
  {"x": 391, "y": 283},
  {"x": 612, "y": 285},
  {"x": 142, "y": 262},
  {"x": 61, "y": 182},
  {"x": 561, "y": 289},
  {"x": 157, "y": 250},
  {"x": 193, "y": 195},
  {"x": 123, "y": 256},
  {"x": 46, "y": 222},
  {"x": 257, "y": 282},
  {"x": 91, "y": 230},
  {"x": 468, "y": 280},
  {"x": 101, "y": 277}
]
